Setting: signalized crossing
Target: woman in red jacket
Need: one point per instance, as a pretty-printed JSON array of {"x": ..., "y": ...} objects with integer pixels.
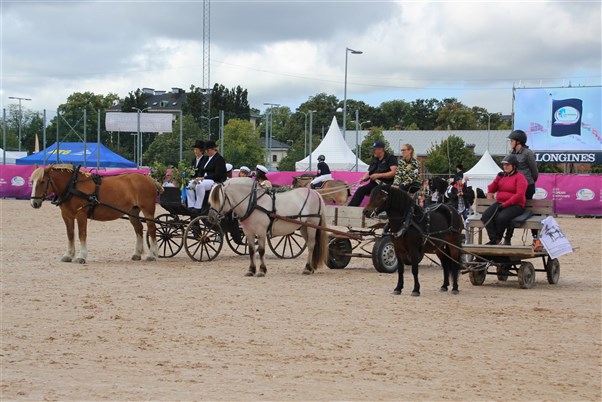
[{"x": 510, "y": 187}]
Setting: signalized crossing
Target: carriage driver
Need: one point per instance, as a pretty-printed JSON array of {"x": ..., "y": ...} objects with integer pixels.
[
  {"x": 383, "y": 168},
  {"x": 323, "y": 172},
  {"x": 212, "y": 170}
]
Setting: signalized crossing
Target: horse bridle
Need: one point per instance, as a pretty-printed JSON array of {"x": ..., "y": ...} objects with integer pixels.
[{"x": 45, "y": 193}]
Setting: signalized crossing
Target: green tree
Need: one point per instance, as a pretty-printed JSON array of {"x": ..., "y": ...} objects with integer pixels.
[
  {"x": 71, "y": 121},
  {"x": 165, "y": 148},
  {"x": 423, "y": 113},
  {"x": 242, "y": 146},
  {"x": 453, "y": 115},
  {"x": 393, "y": 114},
  {"x": 442, "y": 158},
  {"x": 376, "y": 134}
]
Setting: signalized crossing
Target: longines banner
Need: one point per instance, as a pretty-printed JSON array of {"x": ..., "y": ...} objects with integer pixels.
[
  {"x": 149, "y": 122},
  {"x": 568, "y": 157},
  {"x": 560, "y": 119}
]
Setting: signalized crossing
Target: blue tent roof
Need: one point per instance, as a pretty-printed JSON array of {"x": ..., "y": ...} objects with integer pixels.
[{"x": 73, "y": 152}]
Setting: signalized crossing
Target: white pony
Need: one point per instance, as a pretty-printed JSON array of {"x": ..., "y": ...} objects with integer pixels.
[{"x": 256, "y": 209}]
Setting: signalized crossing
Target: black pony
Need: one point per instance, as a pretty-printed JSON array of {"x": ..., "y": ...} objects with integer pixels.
[
  {"x": 416, "y": 231},
  {"x": 439, "y": 186}
]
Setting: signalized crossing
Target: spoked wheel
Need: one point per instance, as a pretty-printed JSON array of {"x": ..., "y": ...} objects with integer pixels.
[
  {"x": 170, "y": 233},
  {"x": 383, "y": 256},
  {"x": 202, "y": 240},
  {"x": 553, "y": 271},
  {"x": 288, "y": 246},
  {"x": 339, "y": 251},
  {"x": 526, "y": 275},
  {"x": 239, "y": 246},
  {"x": 502, "y": 272}
]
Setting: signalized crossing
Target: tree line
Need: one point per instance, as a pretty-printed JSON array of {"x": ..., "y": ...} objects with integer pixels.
[{"x": 245, "y": 142}]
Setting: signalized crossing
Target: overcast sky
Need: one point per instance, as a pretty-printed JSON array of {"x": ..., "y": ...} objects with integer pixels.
[{"x": 285, "y": 51}]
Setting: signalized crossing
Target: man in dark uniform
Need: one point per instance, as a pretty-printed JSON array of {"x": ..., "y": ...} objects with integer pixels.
[
  {"x": 383, "y": 168},
  {"x": 197, "y": 164},
  {"x": 213, "y": 171}
]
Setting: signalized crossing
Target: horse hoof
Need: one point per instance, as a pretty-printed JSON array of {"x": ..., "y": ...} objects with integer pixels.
[
  {"x": 249, "y": 273},
  {"x": 396, "y": 292},
  {"x": 135, "y": 257},
  {"x": 455, "y": 292},
  {"x": 151, "y": 258},
  {"x": 307, "y": 272},
  {"x": 443, "y": 289},
  {"x": 415, "y": 294},
  {"x": 260, "y": 274},
  {"x": 80, "y": 261},
  {"x": 66, "y": 259}
]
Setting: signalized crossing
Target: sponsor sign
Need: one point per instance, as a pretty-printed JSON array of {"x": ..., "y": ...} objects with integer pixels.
[{"x": 149, "y": 122}]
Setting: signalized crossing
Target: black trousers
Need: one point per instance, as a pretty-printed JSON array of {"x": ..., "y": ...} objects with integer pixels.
[
  {"x": 498, "y": 221},
  {"x": 528, "y": 195},
  {"x": 360, "y": 193}
]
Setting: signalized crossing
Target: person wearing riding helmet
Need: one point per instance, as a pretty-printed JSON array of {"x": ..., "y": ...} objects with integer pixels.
[
  {"x": 509, "y": 188},
  {"x": 323, "y": 172},
  {"x": 528, "y": 167}
]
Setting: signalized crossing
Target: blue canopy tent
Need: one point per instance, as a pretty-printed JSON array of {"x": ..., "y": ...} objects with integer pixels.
[{"x": 73, "y": 152}]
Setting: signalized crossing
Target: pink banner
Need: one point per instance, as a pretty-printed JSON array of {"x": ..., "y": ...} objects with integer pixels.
[
  {"x": 14, "y": 180},
  {"x": 572, "y": 194}
]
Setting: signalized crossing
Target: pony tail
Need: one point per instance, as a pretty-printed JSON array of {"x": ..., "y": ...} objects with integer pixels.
[{"x": 320, "y": 252}]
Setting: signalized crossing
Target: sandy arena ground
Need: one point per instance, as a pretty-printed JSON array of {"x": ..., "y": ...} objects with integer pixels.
[{"x": 175, "y": 329}]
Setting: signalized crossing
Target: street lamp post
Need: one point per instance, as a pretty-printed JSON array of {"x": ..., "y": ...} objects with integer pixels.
[
  {"x": 347, "y": 50},
  {"x": 20, "y": 115},
  {"x": 311, "y": 133},
  {"x": 209, "y": 123},
  {"x": 488, "y": 125},
  {"x": 304, "y": 133},
  {"x": 269, "y": 127},
  {"x": 139, "y": 138}
]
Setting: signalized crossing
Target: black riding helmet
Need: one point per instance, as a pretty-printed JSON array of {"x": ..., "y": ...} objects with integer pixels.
[
  {"x": 519, "y": 136},
  {"x": 321, "y": 158},
  {"x": 511, "y": 159}
]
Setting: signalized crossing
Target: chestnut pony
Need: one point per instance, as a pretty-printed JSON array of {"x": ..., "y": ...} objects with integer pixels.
[
  {"x": 82, "y": 196},
  {"x": 416, "y": 231},
  {"x": 260, "y": 214},
  {"x": 332, "y": 190}
]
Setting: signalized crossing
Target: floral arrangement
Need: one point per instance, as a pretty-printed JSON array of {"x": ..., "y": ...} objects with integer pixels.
[{"x": 177, "y": 176}]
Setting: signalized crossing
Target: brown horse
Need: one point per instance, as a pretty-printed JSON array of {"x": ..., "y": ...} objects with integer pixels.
[
  {"x": 82, "y": 196},
  {"x": 416, "y": 231},
  {"x": 332, "y": 190}
]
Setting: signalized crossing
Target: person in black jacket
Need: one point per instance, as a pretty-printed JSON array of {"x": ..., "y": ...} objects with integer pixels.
[
  {"x": 213, "y": 171},
  {"x": 198, "y": 161},
  {"x": 383, "y": 168}
]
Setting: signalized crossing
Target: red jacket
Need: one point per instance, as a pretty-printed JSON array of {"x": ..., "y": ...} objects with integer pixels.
[{"x": 510, "y": 189}]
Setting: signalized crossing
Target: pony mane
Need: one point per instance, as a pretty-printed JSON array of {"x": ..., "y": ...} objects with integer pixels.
[
  {"x": 37, "y": 174},
  {"x": 68, "y": 167},
  {"x": 214, "y": 195}
]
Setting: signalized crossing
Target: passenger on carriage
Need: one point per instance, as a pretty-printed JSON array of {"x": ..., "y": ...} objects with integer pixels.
[
  {"x": 244, "y": 171},
  {"x": 262, "y": 178},
  {"x": 407, "y": 176},
  {"x": 229, "y": 171},
  {"x": 323, "y": 172},
  {"x": 212, "y": 170},
  {"x": 382, "y": 167},
  {"x": 509, "y": 189}
]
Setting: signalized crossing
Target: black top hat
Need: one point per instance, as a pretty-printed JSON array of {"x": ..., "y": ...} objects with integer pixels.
[
  {"x": 210, "y": 144},
  {"x": 199, "y": 144}
]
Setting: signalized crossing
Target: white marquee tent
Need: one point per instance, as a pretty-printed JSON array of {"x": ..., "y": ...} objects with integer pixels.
[
  {"x": 483, "y": 172},
  {"x": 11, "y": 157},
  {"x": 335, "y": 149}
]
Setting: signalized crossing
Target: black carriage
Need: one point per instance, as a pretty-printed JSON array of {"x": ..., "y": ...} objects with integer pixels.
[{"x": 202, "y": 240}]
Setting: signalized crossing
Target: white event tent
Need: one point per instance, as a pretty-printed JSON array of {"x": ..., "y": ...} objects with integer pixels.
[
  {"x": 483, "y": 172},
  {"x": 11, "y": 157},
  {"x": 335, "y": 149}
]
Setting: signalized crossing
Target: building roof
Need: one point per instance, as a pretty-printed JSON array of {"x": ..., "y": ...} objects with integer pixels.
[
  {"x": 423, "y": 140},
  {"x": 160, "y": 101}
]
